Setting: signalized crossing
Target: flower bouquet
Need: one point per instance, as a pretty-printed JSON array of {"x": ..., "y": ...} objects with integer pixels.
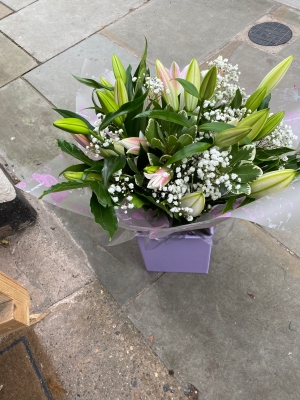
[{"x": 175, "y": 151}]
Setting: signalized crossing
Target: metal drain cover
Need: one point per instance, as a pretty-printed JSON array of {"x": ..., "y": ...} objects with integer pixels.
[{"x": 270, "y": 34}]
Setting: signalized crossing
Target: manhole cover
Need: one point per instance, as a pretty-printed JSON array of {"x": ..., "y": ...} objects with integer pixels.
[{"x": 270, "y": 34}]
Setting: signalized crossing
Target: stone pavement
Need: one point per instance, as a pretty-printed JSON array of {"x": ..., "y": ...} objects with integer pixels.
[{"x": 234, "y": 333}]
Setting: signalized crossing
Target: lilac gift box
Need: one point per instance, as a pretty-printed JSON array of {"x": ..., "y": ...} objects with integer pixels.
[{"x": 189, "y": 253}]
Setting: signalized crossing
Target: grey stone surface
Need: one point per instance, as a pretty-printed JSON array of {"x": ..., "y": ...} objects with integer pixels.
[
  {"x": 99, "y": 354},
  {"x": 27, "y": 134},
  {"x": 288, "y": 16},
  {"x": 47, "y": 261},
  {"x": 45, "y": 28},
  {"x": 119, "y": 268},
  {"x": 291, "y": 240},
  {"x": 4, "y": 11},
  {"x": 210, "y": 331},
  {"x": 292, "y": 3},
  {"x": 54, "y": 80},
  {"x": 18, "y": 4},
  {"x": 13, "y": 61},
  {"x": 178, "y": 30}
]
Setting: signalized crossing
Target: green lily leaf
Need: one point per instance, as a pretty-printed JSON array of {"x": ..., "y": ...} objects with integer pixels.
[
  {"x": 75, "y": 168},
  {"x": 129, "y": 86},
  {"x": 188, "y": 151},
  {"x": 265, "y": 103},
  {"x": 104, "y": 216},
  {"x": 166, "y": 116},
  {"x": 215, "y": 127},
  {"x": 262, "y": 154},
  {"x": 132, "y": 165},
  {"x": 188, "y": 87},
  {"x": 101, "y": 192},
  {"x": 171, "y": 144},
  {"x": 110, "y": 166},
  {"x": 138, "y": 201},
  {"x": 229, "y": 204},
  {"x": 74, "y": 151},
  {"x": 92, "y": 83},
  {"x": 139, "y": 179},
  {"x": 141, "y": 71},
  {"x": 62, "y": 186}
]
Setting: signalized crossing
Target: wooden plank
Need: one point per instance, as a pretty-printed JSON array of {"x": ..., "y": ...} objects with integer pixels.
[
  {"x": 14, "y": 305},
  {"x": 13, "y": 290},
  {"x": 13, "y": 316},
  {"x": 3, "y": 298}
]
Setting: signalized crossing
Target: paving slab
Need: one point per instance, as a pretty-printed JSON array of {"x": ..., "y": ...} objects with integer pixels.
[
  {"x": 233, "y": 333},
  {"x": 27, "y": 134},
  {"x": 46, "y": 28},
  {"x": 292, "y": 3},
  {"x": 13, "y": 61},
  {"x": 185, "y": 29},
  {"x": 54, "y": 78},
  {"x": 119, "y": 268},
  {"x": 4, "y": 11},
  {"x": 99, "y": 354},
  {"x": 18, "y": 4},
  {"x": 47, "y": 261}
]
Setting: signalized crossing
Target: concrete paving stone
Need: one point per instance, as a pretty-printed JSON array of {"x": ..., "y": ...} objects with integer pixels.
[
  {"x": 292, "y": 3},
  {"x": 18, "y": 4},
  {"x": 291, "y": 240},
  {"x": 233, "y": 333},
  {"x": 4, "y": 11},
  {"x": 287, "y": 15},
  {"x": 119, "y": 268},
  {"x": 50, "y": 264},
  {"x": 13, "y": 61},
  {"x": 28, "y": 138},
  {"x": 46, "y": 28},
  {"x": 54, "y": 78},
  {"x": 99, "y": 354},
  {"x": 179, "y": 31}
]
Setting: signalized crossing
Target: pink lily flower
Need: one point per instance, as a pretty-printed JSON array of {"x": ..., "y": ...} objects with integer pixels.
[
  {"x": 132, "y": 144},
  {"x": 176, "y": 73},
  {"x": 159, "y": 178}
]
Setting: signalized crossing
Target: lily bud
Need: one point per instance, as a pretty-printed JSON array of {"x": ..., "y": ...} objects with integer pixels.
[
  {"x": 132, "y": 144},
  {"x": 159, "y": 178},
  {"x": 270, "y": 125},
  {"x": 272, "y": 182},
  {"x": 83, "y": 140},
  {"x": 109, "y": 105},
  {"x": 120, "y": 92},
  {"x": 72, "y": 125},
  {"x": 254, "y": 101},
  {"x": 193, "y": 76},
  {"x": 75, "y": 176},
  {"x": 170, "y": 89},
  {"x": 272, "y": 79},
  {"x": 151, "y": 169},
  {"x": 231, "y": 136},
  {"x": 118, "y": 69},
  {"x": 208, "y": 84},
  {"x": 256, "y": 121},
  {"x": 195, "y": 201},
  {"x": 105, "y": 82}
]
